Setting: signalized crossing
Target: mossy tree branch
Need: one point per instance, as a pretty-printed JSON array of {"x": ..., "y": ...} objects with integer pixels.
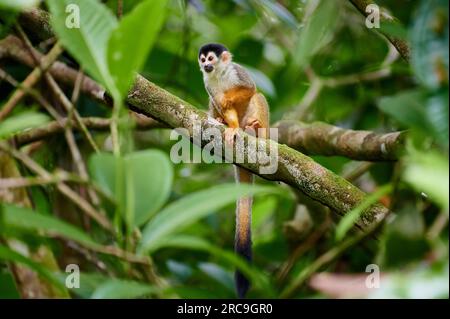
[{"x": 294, "y": 168}]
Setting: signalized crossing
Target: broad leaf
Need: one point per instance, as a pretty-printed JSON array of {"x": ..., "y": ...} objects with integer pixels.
[
  {"x": 121, "y": 289},
  {"x": 10, "y": 255},
  {"x": 191, "y": 208},
  {"x": 132, "y": 41},
  {"x": 316, "y": 32},
  {"x": 429, "y": 41},
  {"x": 88, "y": 40},
  {"x": 21, "y": 122},
  {"x": 18, "y": 4},
  {"x": 429, "y": 173},
  {"x": 407, "y": 108},
  {"x": 258, "y": 278},
  {"x": 146, "y": 183},
  {"x": 25, "y": 218}
]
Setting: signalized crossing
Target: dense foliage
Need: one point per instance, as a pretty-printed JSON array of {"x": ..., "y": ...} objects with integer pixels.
[{"x": 111, "y": 201}]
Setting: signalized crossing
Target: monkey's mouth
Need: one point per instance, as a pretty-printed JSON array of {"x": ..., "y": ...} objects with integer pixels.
[{"x": 208, "y": 68}]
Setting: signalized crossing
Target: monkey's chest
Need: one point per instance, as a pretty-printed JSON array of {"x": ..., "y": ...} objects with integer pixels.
[{"x": 237, "y": 98}]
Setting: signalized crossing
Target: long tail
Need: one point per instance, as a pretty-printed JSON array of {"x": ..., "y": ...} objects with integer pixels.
[{"x": 243, "y": 236}]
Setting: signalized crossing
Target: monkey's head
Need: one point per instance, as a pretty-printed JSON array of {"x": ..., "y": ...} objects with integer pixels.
[{"x": 213, "y": 57}]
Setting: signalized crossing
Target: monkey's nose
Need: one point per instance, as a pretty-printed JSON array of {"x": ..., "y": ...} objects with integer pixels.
[{"x": 208, "y": 68}]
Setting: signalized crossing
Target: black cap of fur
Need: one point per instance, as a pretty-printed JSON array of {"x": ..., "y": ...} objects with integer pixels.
[{"x": 212, "y": 47}]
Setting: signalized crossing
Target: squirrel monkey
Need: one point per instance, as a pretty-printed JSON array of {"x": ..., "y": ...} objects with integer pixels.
[{"x": 233, "y": 100}]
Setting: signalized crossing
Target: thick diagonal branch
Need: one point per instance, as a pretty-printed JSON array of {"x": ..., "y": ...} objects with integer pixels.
[{"x": 294, "y": 168}]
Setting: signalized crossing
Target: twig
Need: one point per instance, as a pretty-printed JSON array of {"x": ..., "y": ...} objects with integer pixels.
[
  {"x": 19, "y": 182},
  {"x": 63, "y": 188},
  {"x": 312, "y": 239},
  {"x": 119, "y": 9},
  {"x": 326, "y": 258},
  {"x": 31, "y": 80},
  {"x": 69, "y": 107},
  {"x": 438, "y": 225},
  {"x": 93, "y": 123}
]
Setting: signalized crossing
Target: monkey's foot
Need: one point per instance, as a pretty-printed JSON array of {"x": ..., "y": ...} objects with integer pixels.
[
  {"x": 254, "y": 125},
  {"x": 229, "y": 135},
  {"x": 220, "y": 120}
]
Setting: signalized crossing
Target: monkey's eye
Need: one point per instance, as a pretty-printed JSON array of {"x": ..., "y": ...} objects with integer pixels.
[
  {"x": 203, "y": 60},
  {"x": 210, "y": 58}
]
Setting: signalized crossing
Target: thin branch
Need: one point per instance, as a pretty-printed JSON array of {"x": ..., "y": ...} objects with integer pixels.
[
  {"x": 327, "y": 258},
  {"x": 31, "y": 80},
  {"x": 119, "y": 9},
  {"x": 401, "y": 46},
  {"x": 13, "y": 48},
  {"x": 95, "y": 123},
  {"x": 70, "y": 108},
  {"x": 63, "y": 188},
  {"x": 301, "y": 249}
]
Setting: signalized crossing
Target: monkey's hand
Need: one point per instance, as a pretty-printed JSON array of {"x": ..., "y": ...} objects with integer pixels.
[
  {"x": 252, "y": 126},
  {"x": 220, "y": 120}
]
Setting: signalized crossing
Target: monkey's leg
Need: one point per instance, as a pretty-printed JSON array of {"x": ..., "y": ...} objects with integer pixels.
[
  {"x": 257, "y": 116},
  {"x": 230, "y": 116}
]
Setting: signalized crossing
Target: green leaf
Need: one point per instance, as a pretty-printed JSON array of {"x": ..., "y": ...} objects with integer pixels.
[
  {"x": 151, "y": 176},
  {"x": 25, "y": 218},
  {"x": 191, "y": 208},
  {"x": 429, "y": 44},
  {"x": 8, "y": 289},
  {"x": 88, "y": 42},
  {"x": 438, "y": 115},
  {"x": 102, "y": 167},
  {"x": 147, "y": 181},
  {"x": 10, "y": 255},
  {"x": 18, "y": 5},
  {"x": 403, "y": 240},
  {"x": 88, "y": 283},
  {"x": 316, "y": 32},
  {"x": 351, "y": 217},
  {"x": 21, "y": 122},
  {"x": 219, "y": 274},
  {"x": 122, "y": 289},
  {"x": 132, "y": 41},
  {"x": 280, "y": 12},
  {"x": 408, "y": 108},
  {"x": 429, "y": 173}
]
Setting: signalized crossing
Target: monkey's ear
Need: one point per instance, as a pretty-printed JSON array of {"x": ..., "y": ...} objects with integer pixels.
[{"x": 225, "y": 56}]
